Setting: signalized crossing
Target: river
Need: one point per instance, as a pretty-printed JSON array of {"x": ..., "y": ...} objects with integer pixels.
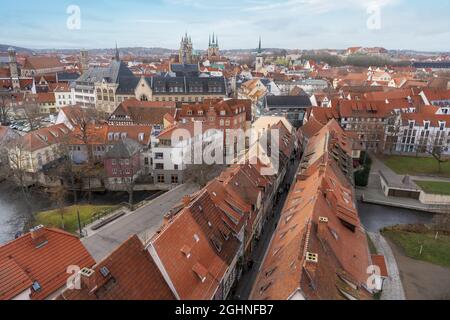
[{"x": 375, "y": 217}]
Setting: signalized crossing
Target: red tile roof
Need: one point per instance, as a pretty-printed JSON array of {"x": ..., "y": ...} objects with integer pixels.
[
  {"x": 379, "y": 261},
  {"x": 133, "y": 275},
  {"x": 25, "y": 262},
  {"x": 37, "y": 63},
  {"x": 319, "y": 245},
  {"x": 199, "y": 230},
  {"x": 44, "y": 137}
]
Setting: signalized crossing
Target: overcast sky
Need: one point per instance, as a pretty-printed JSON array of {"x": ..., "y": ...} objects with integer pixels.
[{"x": 293, "y": 24}]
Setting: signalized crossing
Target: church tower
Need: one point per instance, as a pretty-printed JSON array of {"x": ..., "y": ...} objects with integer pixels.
[
  {"x": 186, "y": 50},
  {"x": 84, "y": 61},
  {"x": 259, "y": 58},
  {"x": 213, "y": 47},
  {"x": 117, "y": 54},
  {"x": 13, "y": 69}
]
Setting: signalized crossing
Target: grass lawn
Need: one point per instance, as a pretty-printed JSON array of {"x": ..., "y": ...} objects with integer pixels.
[
  {"x": 417, "y": 166},
  {"x": 54, "y": 218},
  {"x": 434, "y": 251},
  {"x": 435, "y": 187}
]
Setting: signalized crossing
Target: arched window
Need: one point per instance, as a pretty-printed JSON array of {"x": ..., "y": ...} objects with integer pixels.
[
  {"x": 144, "y": 98},
  {"x": 111, "y": 92},
  {"x": 105, "y": 91}
]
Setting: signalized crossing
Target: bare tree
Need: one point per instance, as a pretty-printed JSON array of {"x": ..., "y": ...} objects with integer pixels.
[
  {"x": 68, "y": 170},
  {"x": 59, "y": 198},
  {"x": 201, "y": 174},
  {"x": 128, "y": 173},
  {"x": 32, "y": 112},
  {"x": 5, "y": 108},
  {"x": 85, "y": 120},
  {"x": 437, "y": 149},
  {"x": 20, "y": 165}
]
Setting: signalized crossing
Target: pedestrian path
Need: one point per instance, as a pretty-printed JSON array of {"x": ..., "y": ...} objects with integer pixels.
[{"x": 393, "y": 287}]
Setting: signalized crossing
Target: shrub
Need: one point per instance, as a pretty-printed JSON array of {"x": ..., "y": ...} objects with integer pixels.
[{"x": 362, "y": 176}]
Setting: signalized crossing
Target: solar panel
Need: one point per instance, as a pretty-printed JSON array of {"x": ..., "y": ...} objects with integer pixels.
[
  {"x": 104, "y": 271},
  {"x": 36, "y": 286}
]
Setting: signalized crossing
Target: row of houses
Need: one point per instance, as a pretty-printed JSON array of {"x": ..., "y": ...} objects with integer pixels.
[
  {"x": 319, "y": 250},
  {"x": 404, "y": 121}
]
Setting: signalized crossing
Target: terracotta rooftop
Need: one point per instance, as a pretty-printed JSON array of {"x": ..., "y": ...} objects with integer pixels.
[
  {"x": 129, "y": 273},
  {"x": 319, "y": 250},
  {"x": 37, "y": 63},
  {"x": 41, "y": 260}
]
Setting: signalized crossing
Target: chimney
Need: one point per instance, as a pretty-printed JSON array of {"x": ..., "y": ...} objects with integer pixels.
[
  {"x": 322, "y": 227},
  {"x": 322, "y": 169},
  {"x": 310, "y": 266},
  {"x": 167, "y": 218},
  {"x": 186, "y": 200},
  {"x": 38, "y": 236},
  {"x": 88, "y": 279}
]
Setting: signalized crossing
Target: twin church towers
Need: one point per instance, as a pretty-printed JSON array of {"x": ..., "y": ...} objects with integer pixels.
[{"x": 186, "y": 53}]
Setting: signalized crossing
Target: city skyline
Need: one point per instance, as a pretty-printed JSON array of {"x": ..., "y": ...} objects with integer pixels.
[{"x": 303, "y": 24}]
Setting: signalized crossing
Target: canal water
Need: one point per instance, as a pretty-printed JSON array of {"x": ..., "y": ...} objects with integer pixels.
[{"x": 375, "y": 217}]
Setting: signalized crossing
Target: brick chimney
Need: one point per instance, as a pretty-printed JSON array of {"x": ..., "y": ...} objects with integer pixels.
[
  {"x": 88, "y": 279},
  {"x": 38, "y": 236},
  {"x": 186, "y": 200},
  {"x": 322, "y": 227},
  {"x": 310, "y": 266}
]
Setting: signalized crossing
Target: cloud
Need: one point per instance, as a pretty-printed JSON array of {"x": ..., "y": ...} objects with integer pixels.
[{"x": 317, "y": 6}]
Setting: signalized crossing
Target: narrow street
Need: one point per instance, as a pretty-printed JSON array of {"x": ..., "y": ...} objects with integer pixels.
[{"x": 248, "y": 278}]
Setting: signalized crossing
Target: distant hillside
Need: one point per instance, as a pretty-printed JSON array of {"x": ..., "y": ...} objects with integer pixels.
[{"x": 5, "y": 47}]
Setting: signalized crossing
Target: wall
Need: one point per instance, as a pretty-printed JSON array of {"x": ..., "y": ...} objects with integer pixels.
[{"x": 427, "y": 198}]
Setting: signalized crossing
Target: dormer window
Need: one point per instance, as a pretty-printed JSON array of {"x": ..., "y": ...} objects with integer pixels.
[
  {"x": 411, "y": 124},
  {"x": 441, "y": 126},
  {"x": 427, "y": 125},
  {"x": 222, "y": 113},
  {"x": 186, "y": 251},
  {"x": 189, "y": 112}
]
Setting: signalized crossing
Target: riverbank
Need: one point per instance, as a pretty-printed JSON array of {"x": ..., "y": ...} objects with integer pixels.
[{"x": 15, "y": 216}]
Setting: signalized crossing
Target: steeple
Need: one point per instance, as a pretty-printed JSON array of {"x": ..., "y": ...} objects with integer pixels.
[
  {"x": 117, "y": 55},
  {"x": 259, "y": 48},
  {"x": 209, "y": 43}
]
